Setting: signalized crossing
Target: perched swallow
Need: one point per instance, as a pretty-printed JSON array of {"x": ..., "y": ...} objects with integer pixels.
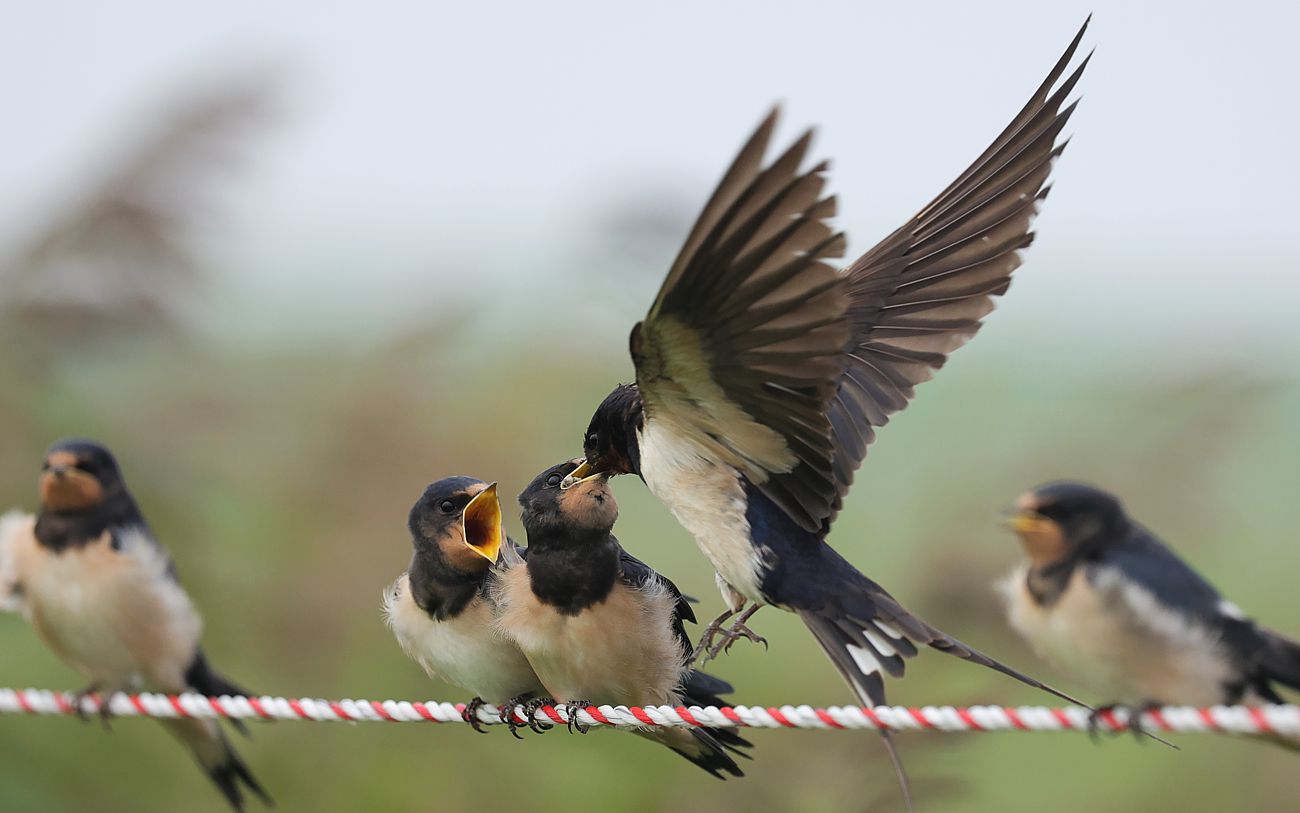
[
  {"x": 102, "y": 593},
  {"x": 441, "y": 609},
  {"x": 762, "y": 372},
  {"x": 601, "y": 627},
  {"x": 1101, "y": 598}
]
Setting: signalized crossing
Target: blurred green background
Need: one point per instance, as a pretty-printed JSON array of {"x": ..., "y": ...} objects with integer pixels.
[{"x": 278, "y": 406}]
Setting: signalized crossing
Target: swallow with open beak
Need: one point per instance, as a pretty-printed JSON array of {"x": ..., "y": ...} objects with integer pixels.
[
  {"x": 441, "y": 609},
  {"x": 601, "y": 627},
  {"x": 1102, "y": 599},
  {"x": 103, "y": 594},
  {"x": 762, "y": 372}
]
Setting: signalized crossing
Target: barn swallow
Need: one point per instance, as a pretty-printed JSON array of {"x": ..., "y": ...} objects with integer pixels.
[
  {"x": 601, "y": 627},
  {"x": 762, "y": 372},
  {"x": 1100, "y": 597},
  {"x": 441, "y": 609},
  {"x": 103, "y": 594}
]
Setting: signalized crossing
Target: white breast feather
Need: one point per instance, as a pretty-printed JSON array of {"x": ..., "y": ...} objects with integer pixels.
[
  {"x": 1116, "y": 638},
  {"x": 621, "y": 651},
  {"x": 116, "y": 615},
  {"x": 706, "y": 498},
  {"x": 465, "y": 651}
]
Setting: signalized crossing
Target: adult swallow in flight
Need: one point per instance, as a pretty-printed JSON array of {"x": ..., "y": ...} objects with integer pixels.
[
  {"x": 762, "y": 372},
  {"x": 600, "y": 627},
  {"x": 102, "y": 593},
  {"x": 1101, "y": 598},
  {"x": 441, "y": 609}
]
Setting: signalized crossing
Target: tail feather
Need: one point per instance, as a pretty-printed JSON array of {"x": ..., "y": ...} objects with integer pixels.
[
  {"x": 218, "y": 760},
  {"x": 847, "y": 653},
  {"x": 202, "y": 678},
  {"x": 1281, "y": 660},
  {"x": 701, "y": 689}
]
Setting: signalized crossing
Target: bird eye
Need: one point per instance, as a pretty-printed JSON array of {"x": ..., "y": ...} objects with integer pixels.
[
  {"x": 593, "y": 438},
  {"x": 447, "y": 506},
  {"x": 553, "y": 480}
]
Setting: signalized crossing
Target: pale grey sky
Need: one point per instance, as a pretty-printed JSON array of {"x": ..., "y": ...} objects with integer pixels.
[{"x": 425, "y": 142}]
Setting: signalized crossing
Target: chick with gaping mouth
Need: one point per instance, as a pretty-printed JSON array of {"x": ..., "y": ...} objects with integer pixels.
[
  {"x": 441, "y": 609},
  {"x": 600, "y": 627}
]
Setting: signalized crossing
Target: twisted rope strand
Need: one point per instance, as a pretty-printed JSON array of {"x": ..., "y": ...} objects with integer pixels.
[{"x": 1271, "y": 720}]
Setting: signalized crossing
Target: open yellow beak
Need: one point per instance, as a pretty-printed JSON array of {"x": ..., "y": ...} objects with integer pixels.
[
  {"x": 577, "y": 475},
  {"x": 482, "y": 524}
]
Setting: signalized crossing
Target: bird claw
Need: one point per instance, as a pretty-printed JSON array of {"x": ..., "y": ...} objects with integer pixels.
[
  {"x": 508, "y": 711},
  {"x": 530, "y": 711},
  {"x": 571, "y": 709},
  {"x": 1095, "y": 717},
  {"x": 1133, "y": 722},
  {"x": 709, "y": 648},
  {"x": 736, "y": 632},
  {"x": 470, "y": 714},
  {"x": 103, "y": 713}
]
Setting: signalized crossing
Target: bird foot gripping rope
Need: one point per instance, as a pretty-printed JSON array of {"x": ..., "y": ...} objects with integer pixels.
[{"x": 1258, "y": 720}]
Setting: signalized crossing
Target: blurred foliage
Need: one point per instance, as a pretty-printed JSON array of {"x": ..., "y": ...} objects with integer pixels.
[
  {"x": 279, "y": 474},
  {"x": 118, "y": 260}
]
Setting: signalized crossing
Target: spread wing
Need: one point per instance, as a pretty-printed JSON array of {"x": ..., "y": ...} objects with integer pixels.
[
  {"x": 921, "y": 293},
  {"x": 635, "y": 573},
  {"x": 744, "y": 343}
]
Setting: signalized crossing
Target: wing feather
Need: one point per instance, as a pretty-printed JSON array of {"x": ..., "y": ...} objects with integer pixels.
[
  {"x": 744, "y": 345},
  {"x": 921, "y": 292}
]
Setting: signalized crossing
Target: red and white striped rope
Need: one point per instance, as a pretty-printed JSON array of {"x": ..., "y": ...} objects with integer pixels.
[{"x": 1273, "y": 720}]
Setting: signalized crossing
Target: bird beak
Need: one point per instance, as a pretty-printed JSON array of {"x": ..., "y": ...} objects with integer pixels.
[
  {"x": 577, "y": 475},
  {"x": 582, "y": 474},
  {"x": 65, "y": 488},
  {"x": 1028, "y": 522},
  {"x": 482, "y": 521}
]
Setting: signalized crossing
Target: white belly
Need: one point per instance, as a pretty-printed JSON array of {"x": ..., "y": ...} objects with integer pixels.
[
  {"x": 116, "y": 616},
  {"x": 465, "y": 651},
  {"x": 621, "y": 651},
  {"x": 1116, "y": 639},
  {"x": 708, "y": 501}
]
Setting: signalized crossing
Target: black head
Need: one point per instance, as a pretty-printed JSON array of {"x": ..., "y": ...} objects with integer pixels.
[
  {"x": 610, "y": 444},
  {"x": 584, "y": 506},
  {"x": 459, "y": 520},
  {"x": 1063, "y": 517},
  {"x": 80, "y": 476}
]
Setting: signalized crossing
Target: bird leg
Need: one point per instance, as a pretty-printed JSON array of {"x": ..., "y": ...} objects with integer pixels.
[
  {"x": 713, "y": 630},
  {"x": 470, "y": 714},
  {"x": 572, "y": 708},
  {"x": 79, "y": 697},
  {"x": 508, "y": 712},
  {"x": 530, "y": 708},
  {"x": 737, "y": 631},
  {"x": 1133, "y": 723},
  {"x": 1095, "y": 717}
]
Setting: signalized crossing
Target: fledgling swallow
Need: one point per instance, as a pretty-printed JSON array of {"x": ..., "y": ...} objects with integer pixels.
[
  {"x": 441, "y": 609},
  {"x": 1103, "y": 600},
  {"x": 762, "y": 372},
  {"x": 601, "y": 627},
  {"x": 103, "y": 594}
]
